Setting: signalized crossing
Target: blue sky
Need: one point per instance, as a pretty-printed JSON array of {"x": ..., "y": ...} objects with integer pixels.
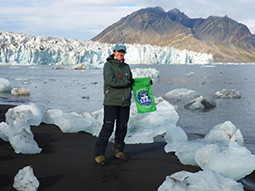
[{"x": 84, "y": 19}]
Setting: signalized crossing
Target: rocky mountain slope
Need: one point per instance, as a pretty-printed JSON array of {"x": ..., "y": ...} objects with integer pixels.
[{"x": 226, "y": 39}]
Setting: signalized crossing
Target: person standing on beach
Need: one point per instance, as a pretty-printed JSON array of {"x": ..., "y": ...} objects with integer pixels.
[{"x": 117, "y": 100}]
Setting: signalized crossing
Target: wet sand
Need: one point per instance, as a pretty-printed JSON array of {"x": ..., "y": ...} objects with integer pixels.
[{"x": 67, "y": 163}]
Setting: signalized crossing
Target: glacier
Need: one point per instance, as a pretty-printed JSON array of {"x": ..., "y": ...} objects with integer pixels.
[{"x": 21, "y": 49}]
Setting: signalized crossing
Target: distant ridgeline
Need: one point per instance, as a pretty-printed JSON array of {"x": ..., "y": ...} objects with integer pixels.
[
  {"x": 18, "y": 48},
  {"x": 223, "y": 37}
]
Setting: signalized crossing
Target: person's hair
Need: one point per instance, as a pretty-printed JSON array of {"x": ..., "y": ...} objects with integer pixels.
[{"x": 119, "y": 51}]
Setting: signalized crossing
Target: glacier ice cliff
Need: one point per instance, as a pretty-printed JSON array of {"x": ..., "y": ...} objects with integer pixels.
[{"x": 18, "y": 48}]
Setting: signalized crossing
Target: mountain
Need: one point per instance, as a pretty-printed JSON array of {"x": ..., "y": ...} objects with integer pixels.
[{"x": 226, "y": 39}]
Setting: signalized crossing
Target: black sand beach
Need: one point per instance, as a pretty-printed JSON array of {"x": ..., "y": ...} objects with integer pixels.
[{"x": 67, "y": 163}]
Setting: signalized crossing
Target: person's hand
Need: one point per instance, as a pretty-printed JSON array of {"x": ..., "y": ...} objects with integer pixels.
[
  {"x": 151, "y": 82},
  {"x": 131, "y": 81}
]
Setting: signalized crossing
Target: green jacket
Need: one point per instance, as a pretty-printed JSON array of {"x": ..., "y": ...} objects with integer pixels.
[{"x": 117, "y": 87}]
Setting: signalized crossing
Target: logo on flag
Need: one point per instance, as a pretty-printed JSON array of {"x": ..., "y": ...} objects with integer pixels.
[
  {"x": 143, "y": 95},
  {"x": 144, "y": 98}
]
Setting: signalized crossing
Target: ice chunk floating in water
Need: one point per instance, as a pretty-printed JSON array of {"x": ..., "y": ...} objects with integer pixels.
[
  {"x": 201, "y": 103},
  {"x": 145, "y": 73},
  {"x": 227, "y": 94},
  {"x": 20, "y": 92},
  {"x": 5, "y": 85},
  {"x": 182, "y": 93}
]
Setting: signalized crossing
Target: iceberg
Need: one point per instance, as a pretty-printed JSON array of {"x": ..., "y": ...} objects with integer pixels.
[
  {"x": 21, "y": 49},
  {"x": 227, "y": 94},
  {"x": 22, "y": 140},
  {"x": 224, "y": 133},
  {"x": 181, "y": 93},
  {"x": 235, "y": 162},
  {"x": 174, "y": 136},
  {"x": 20, "y": 92},
  {"x": 70, "y": 122},
  {"x": 150, "y": 124},
  {"x": 221, "y": 150},
  {"x": 26, "y": 180},
  {"x": 200, "y": 103},
  {"x": 26, "y": 114},
  {"x": 72, "y": 67},
  {"x": 5, "y": 85},
  {"x": 145, "y": 73},
  {"x": 203, "y": 180},
  {"x": 142, "y": 128},
  {"x": 17, "y": 129}
]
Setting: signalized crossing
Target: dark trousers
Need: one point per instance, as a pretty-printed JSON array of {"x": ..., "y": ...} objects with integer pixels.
[{"x": 121, "y": 114}]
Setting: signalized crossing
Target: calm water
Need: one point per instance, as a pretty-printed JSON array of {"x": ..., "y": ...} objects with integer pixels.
[{"x": 80, "y": 91}]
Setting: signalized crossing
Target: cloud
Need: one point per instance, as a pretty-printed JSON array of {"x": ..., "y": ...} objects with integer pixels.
[
  {"x": 84, "y": 19},
  {"x": 67, "y": 18}
]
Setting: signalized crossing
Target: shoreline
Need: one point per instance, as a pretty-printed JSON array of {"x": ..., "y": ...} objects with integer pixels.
[{"x": 67, "y": 163}]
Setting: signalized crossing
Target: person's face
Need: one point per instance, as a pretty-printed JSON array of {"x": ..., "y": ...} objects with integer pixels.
[{"x": 119, "y": 54}]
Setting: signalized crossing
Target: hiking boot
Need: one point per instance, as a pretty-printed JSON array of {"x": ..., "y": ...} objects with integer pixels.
[
  {"x": 120, "y": 155},
  {"x": 100, "y": 160}
]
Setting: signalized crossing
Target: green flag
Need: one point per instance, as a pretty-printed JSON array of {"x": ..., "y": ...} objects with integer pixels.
[{"x": 143, "y": 95}]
